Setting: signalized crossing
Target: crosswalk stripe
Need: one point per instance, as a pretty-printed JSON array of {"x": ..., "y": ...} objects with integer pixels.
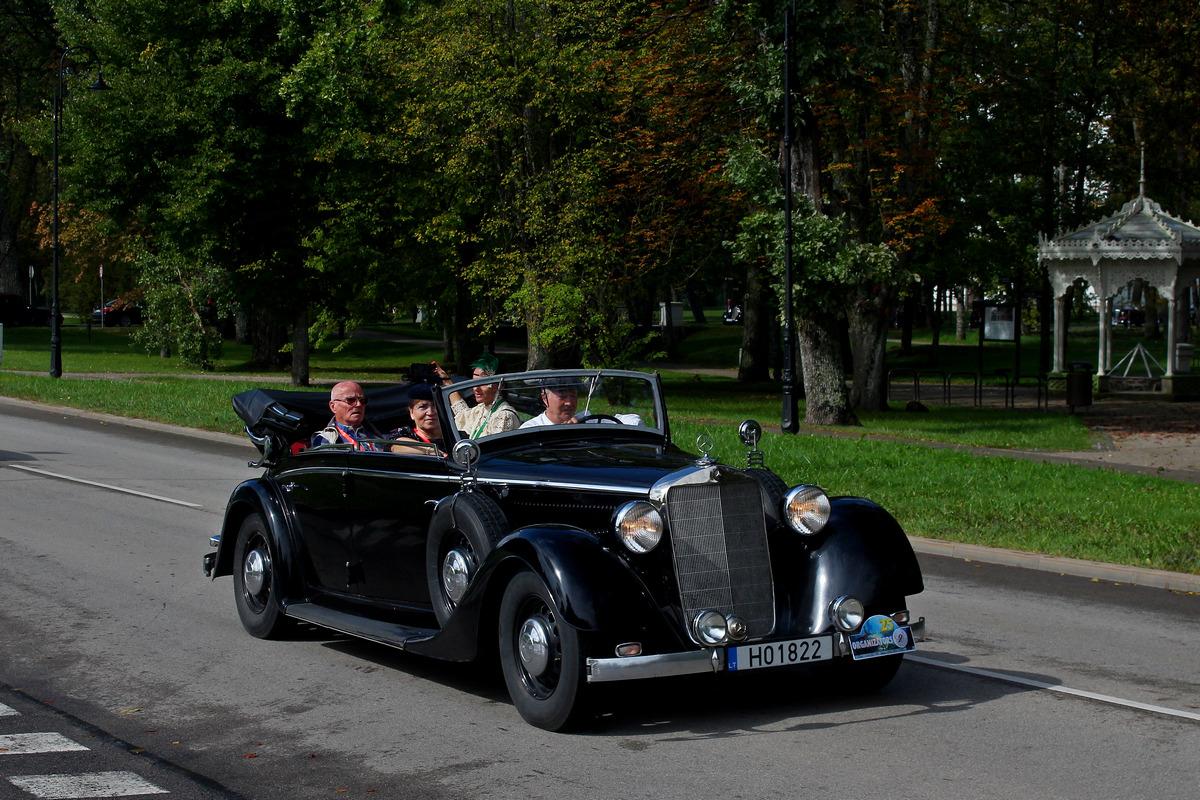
[
  {"x": 93, "y": 784},
  {"x": 18, "y": 744},
  {"x": 5, "y": 711}
]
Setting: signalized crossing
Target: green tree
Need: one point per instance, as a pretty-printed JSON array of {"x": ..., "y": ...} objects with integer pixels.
[
  {"x": 199, "y": 158},
  {"x": 28, "y": 42}
]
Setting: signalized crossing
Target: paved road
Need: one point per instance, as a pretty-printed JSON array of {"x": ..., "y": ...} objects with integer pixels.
[{"x": 1032, "y": 684}]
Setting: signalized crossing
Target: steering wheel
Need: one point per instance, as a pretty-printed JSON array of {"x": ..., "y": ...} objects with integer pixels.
[{"x": 609, "y": 417}]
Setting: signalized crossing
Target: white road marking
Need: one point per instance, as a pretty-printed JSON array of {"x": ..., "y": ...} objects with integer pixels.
[
  {"x": 94, "y": 784},
  {"x": 5, "y": 711},
  {"x": 20, "y": 744},
  {"x": 49, "y": 474},
  {"x": 1103, "y": 698}
]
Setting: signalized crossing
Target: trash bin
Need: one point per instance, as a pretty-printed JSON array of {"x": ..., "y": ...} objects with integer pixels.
[
  {"x": 1183, "y": 357},
  {"x": 1079, "y": 384}
]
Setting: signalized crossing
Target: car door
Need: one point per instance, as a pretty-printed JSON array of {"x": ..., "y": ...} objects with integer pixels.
[
  {"x": 317, "y": 481},
  {"x": 391, "y": 502}
]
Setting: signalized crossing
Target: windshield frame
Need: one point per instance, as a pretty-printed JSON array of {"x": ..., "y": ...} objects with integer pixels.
[{"x": 530, "y": 383}]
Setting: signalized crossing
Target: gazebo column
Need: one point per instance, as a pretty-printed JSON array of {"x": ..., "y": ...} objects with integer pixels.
[
  {"x": 1105, "y": 352},
  {"x": 1172, "y": 313},
  {"x": 1061, "y": 313}
]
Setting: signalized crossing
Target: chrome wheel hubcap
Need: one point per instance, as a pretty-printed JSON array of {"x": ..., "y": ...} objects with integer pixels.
[
  {"x": 254, "y": 572},
  {"x": 456, "y": 574},
  {"x": 533, "y": 645}
]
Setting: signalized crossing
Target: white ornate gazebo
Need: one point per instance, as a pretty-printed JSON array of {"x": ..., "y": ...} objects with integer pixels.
[{"x": 1141, "y": 241}]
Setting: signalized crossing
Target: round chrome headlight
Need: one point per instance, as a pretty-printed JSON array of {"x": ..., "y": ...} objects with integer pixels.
[
  {"x": 847, "y": 613},
  {"x": 709, "y": 628},
  {"x": 639, "y": 526},
  {"x": 806, "y": 509}
]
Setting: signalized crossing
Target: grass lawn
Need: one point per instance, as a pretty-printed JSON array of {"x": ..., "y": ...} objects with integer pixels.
[{"x": 943, "y": 494}]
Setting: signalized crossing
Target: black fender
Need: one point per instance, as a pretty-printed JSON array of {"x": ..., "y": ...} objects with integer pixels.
[
  {"x": 262, "y": 496},
  {"x": 863, "y": 552},
  {"x": 595, "y": 591}
]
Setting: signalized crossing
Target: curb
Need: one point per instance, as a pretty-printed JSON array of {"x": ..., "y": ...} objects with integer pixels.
[
  {"x": 128, "y": 422},
  {"x": 1097, "y": 570}
]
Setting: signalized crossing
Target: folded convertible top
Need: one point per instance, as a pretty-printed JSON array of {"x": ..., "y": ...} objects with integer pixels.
[{"x": 298, "y": 415}]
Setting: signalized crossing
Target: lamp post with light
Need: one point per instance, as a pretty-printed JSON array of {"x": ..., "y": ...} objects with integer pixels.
[{"x": 63, "y": 67}]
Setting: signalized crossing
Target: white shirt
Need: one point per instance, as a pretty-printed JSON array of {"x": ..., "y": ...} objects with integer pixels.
[{"x": 542, "y": 419}]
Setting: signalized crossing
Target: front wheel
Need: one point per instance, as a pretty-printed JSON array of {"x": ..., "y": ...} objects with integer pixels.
[
  {"x": 256, "y": 582},
  {"x": 870, "y": 675},
  {"x": 541, "y": 656}
]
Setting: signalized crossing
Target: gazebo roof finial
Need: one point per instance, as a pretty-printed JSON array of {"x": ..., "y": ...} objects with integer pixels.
[{"x": 1142, "y": 175}]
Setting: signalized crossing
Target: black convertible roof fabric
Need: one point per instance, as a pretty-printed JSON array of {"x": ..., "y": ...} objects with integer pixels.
[{"x": 304, "y": 413}]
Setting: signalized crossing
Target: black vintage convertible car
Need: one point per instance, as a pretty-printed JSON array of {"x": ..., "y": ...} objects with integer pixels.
[{"x": 579, "y": 553}]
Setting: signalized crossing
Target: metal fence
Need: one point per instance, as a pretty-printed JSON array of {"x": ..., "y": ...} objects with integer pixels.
[{"x": 976, "y": 389}]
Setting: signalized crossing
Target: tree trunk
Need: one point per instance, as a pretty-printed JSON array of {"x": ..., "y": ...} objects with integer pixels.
[
  {"x": 267, "y": 337},
  {"x": 868, "y": 337},
  {"x": 757, "y": 328},
  {"x": 1151, "y": 330},
  {"x": 300, "y": 346},
  {"x": 465, "y": 348},
  {"x": 694, "y": 302},
  {"x": 10, "y": 269},
  {"x": 241, "y": 327},
  {"x": 828, "y": 402},
  {"x": 962, "y": 313}
]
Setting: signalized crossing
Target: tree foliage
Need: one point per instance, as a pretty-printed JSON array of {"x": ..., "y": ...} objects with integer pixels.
[{"x": 567, "y": 165}]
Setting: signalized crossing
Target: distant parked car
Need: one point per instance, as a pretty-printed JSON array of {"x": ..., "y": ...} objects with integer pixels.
[
  {"x": 733, "y": 313},
  {"x": 119, "y": 312},
  {"x": 15, "y": 311},
  {"x": 1129, "y": 315}
]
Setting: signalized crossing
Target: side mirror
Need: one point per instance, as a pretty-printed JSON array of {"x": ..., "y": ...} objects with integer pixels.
[
  {"x": 466, "y": 453},
  {"x": 750, "y": 432}
]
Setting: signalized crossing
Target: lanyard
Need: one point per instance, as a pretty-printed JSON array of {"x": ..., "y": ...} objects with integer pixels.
[
  {"x": 482, "y": 425},
  {"x": 358, "y": 444}
]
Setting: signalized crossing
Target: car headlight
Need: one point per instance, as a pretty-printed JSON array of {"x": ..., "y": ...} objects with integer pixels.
[
  {"x": 710, "y": 628},
  {"x": 806, "y": 509},
  {"x": 847, "y": 613},
  {"x": 639, "y": 526}
]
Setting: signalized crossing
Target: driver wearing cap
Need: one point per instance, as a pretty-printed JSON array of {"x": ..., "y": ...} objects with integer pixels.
[{"x": 561, "y": 398}]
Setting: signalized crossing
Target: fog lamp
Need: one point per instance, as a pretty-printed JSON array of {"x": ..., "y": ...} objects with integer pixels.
[
  {"x": 847, "y": 613},
  {"x": 629, "y": 649},
  {"x": 709, "y": 628}
]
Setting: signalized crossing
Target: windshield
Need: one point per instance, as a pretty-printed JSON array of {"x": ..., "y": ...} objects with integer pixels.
[{"x": 502, "y": 404}]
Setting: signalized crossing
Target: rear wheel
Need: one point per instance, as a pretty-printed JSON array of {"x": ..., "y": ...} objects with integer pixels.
[
  {"x": 256, "y": 582},
  {"x": 541, "y": 656}
]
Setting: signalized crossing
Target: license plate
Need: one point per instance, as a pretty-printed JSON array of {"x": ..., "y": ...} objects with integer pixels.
[{"x": 779, "y": 654}]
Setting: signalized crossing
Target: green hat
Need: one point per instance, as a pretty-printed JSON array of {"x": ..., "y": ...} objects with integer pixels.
[{"x": 488, "y": 363}]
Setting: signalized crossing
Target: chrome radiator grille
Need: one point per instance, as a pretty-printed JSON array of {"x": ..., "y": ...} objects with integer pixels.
[{"x": 719, "y": 538}]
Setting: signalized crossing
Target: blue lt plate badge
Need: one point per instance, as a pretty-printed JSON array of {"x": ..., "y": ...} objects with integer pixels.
[{"x": 881, "y": 636}]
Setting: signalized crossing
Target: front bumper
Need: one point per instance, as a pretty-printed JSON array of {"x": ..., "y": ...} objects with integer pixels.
[{"x": 664, "y": 665}]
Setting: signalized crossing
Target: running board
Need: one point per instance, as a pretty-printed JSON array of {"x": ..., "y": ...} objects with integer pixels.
[{"x": 387, "y": 633}]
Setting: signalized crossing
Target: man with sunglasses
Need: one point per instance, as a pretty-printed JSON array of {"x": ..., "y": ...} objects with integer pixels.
[{"x": 349, "y": 424}]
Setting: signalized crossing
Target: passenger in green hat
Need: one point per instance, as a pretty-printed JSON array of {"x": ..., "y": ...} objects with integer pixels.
[{"x": 487, "y": 416}]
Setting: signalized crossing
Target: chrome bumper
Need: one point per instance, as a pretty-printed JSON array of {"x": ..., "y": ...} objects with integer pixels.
[
  {"x": 691, "y": 662},
  {"x": 657, "y": 666}
]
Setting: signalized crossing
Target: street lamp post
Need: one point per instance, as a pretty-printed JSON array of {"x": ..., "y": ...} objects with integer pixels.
[
  {"x": 789, "y": 422},
  {"x": 55, "y": 326}
]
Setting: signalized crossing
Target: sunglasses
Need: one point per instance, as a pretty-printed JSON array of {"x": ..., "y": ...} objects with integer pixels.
[{"x": 350, "y": 401}]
